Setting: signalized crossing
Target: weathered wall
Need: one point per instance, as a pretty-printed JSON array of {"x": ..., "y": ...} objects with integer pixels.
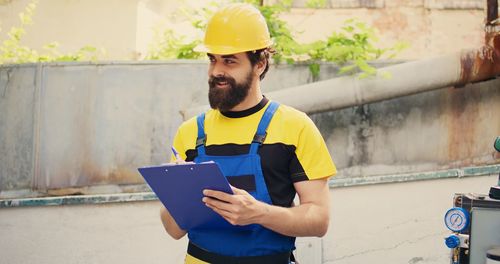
[
  {"x": 17, "y": 126},
  {"x": 436, "y": 130},
  {"x": 125, "y": 29},
  {"x": 389, "y": 223},
  {"x": 77, "y": 125},
  {"x": 431, "y": 28},
  {"x": 80, "y": 125}
]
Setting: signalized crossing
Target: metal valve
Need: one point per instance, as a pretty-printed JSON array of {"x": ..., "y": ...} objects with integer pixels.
[{"x": 452, "y": 241}]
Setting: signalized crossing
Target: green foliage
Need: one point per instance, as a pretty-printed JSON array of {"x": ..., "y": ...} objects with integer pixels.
[
  {"x": 351, "y": 47},
  {"x": 168, "y": 46},
  {"x": 284, "y": 43},
  {"x": 12, "y": 50},
  {"x": 316, "y": 3},
  {"x": 354, "y": 45}
]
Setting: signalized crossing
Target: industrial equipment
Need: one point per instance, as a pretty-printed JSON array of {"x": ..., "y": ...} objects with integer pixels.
[{"x": 475, "y": 223}]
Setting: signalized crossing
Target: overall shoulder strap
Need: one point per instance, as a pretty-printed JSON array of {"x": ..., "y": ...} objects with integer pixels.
[
  {"x": 261, "y": 133},
  {"x": 202, "y": 137}
]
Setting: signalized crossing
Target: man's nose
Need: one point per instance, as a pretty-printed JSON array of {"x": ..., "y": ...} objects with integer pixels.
[{"x": 217, "y": 70}]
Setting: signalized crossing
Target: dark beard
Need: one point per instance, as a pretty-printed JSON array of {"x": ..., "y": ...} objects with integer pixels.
[{"x": 226, "y": 99}]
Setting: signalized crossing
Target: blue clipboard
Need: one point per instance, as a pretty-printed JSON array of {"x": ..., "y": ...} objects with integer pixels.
[{"x": 180, "y": 188}]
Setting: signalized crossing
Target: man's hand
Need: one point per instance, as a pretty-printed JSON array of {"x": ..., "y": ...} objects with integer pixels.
[
  {"x": 309, "y": 218},
  {"x": 239, "y": 208},
  {"x": 170, "y": 225}
]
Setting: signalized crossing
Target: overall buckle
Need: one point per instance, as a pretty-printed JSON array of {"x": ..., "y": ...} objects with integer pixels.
[{"x": 259, "y": 138}]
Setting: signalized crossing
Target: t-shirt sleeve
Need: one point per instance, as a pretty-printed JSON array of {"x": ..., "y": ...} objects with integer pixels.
[
  {"x": 185, "y": 138},
  {"x": 312, "y": 159},
  {"x": 179, "y": 143}
]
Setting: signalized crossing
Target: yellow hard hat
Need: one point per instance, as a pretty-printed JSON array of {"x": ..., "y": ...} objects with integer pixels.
[{"x": 235, "y": 28}]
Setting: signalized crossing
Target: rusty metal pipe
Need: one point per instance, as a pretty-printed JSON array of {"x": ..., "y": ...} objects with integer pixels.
[
  {"x": 491, "y": 11},
  {"x": 484, "y": 63}
]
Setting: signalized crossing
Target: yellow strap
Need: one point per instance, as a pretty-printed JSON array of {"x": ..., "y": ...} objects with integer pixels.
[{"x": 192, "y": 260}]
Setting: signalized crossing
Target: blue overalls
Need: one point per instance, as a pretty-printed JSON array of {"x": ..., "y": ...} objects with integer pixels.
[{"x": 239, "y": 241}]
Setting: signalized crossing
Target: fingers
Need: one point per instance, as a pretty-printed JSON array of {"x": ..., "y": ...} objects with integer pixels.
[
  {"x": 230, "y": 216},
  {"x": 222, "y": 203},
  {"x": 225, "y": 214},
  {"x": 224, "y": 196},
  {"x": 215, "y": 203},
  {"x": 218, "y": 195},
  {"x": 238, "y": 191},
  {"x": 218, "y": 208}
]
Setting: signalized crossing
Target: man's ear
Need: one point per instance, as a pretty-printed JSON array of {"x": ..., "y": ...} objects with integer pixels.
[{"x": 260, "y": 66}]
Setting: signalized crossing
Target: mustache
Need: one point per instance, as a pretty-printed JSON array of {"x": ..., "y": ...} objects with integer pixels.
[{"x": 212, "y": 80}]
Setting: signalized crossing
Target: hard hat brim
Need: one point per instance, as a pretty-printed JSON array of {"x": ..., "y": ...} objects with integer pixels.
[{"x": 226, "y": 50}]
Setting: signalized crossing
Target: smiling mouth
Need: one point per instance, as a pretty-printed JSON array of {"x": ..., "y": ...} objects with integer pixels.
[{"x": 222, "y": 84}]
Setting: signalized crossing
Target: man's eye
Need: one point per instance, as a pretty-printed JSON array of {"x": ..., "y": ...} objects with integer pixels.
[{"x": 229, "y": 61}]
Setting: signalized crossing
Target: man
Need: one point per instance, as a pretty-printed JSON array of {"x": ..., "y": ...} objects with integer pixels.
[{"x": 268, "y": 152}]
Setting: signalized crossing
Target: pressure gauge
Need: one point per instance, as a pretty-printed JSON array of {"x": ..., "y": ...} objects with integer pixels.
[{"x": 456, "y": 219}]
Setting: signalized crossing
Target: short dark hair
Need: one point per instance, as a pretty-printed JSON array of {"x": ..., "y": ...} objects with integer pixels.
[{"x": 260, "y": 55}]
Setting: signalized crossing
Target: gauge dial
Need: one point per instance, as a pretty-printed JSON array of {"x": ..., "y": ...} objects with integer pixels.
[{"x": 456, "y": 219}]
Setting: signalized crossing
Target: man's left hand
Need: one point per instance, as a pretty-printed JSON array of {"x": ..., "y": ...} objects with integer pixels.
[{"x": 239, "y": 208}]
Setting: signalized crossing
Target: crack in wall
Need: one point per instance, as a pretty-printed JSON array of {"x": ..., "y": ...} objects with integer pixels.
[{"x": 3, "y": 87}]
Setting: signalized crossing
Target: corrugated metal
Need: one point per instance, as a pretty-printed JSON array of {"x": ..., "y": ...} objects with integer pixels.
[
  {"x": 99, "y": 123},
  {"x": 65, "y": 126},
  {"x": 17, "y": 124}
]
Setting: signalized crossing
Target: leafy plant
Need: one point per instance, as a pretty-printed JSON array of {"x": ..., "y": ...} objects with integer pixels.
[
  {"x": 168, "y": 45},
  {"x": 316, "y": 3},
  {"x": 13, "y": 51},
  {"x": 352, "y": 47}
]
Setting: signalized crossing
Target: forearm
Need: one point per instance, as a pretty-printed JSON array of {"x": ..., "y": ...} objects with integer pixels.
[
  {"x": 304, "y": 220},
  {"x": 170, "y": 225},
  {"x": 310, "y": 218}
]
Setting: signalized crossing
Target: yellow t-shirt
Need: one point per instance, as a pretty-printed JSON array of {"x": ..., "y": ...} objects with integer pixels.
[{"x": 293, "y": 150}]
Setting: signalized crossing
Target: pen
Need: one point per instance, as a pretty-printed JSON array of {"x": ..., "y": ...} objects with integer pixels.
[{"x": 176, "y": 154}]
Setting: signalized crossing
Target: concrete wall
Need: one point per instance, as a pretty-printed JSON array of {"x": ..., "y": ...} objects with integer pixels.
[
  {"x": 125, "y": 29},
  {"x": 437, "y": 130},
  {"x": 428, "y": 29},
  {"x": 67, "y": 126},
  {"x": 388, "y": 223}
]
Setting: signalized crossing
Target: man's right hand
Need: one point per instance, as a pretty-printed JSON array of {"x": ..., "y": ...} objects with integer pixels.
[{"x": 170, "y": 225}]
